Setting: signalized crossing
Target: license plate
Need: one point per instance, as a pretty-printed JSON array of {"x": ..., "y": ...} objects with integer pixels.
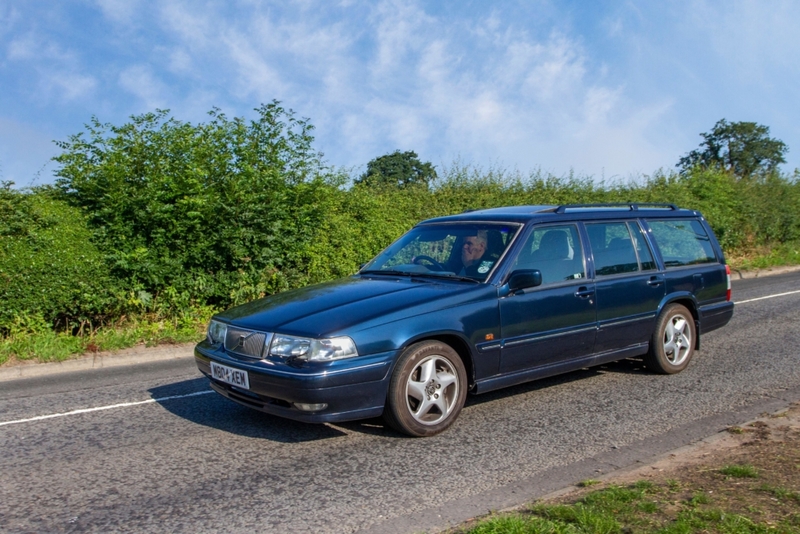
[{"x": 229, "y": 375}]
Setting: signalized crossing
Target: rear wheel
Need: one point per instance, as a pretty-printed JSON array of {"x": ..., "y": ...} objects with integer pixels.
[
  {"x": 673, "y": 341},
  {"x": 427, "y": 390}
]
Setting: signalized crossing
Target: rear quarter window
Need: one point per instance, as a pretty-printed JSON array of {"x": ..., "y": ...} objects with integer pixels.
[{"x": 682, "y": 242}]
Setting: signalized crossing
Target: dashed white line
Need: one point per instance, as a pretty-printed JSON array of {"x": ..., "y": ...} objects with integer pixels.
[
  {"x": 101, "y": 408},
  {"x": 767, "y": 297}
]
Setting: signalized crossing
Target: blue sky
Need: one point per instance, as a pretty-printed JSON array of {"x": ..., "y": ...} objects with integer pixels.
[{"x": 611, "y": 90}]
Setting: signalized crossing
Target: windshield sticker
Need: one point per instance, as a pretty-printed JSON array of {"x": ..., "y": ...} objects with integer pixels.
[{"x": 484, "y": 267}]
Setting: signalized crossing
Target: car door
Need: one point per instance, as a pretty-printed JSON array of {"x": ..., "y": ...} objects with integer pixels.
[
  {"x": 628, "y": 284},
  {"x": 554, "y": 322}
]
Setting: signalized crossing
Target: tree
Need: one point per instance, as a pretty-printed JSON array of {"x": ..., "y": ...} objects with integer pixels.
[
  {"x": 398, "y": 169},
  {"x": 213, "y": 212},
  {"x": 741, "y": 148}
]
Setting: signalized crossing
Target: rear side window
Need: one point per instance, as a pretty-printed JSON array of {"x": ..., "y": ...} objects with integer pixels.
[
  {"x": 682, "y": 242},
  {"x": 619, "y": 247}
]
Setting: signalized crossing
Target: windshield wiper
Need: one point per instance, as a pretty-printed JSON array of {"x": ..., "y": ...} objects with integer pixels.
[
  {"x": 390, "y": 272},
  {"x": 457, "y": 277},
  {"x": 414, "y": 274}
]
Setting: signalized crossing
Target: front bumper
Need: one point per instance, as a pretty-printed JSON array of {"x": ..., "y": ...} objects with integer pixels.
[{"x": 353, "y": 388}]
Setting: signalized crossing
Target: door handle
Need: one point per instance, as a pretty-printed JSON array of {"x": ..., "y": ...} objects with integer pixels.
[
  {"x": 584, "y": 292},
  {"x": 655, "y": 282}
]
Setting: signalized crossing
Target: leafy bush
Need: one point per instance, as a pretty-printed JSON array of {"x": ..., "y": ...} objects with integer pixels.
[
  {"x": 50, "y": 272},
  {"x": 210, "y": 213}
]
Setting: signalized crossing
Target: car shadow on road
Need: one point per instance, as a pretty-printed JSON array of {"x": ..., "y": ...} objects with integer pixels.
[
  {"x": 215, "y": 411},
  {"x": 632, "y": 366},
  {"x": 629, "y": 366},
  {"x": 188, "y": 400}
]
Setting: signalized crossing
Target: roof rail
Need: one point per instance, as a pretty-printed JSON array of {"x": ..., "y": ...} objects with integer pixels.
[{"x": 632, "y": 206}]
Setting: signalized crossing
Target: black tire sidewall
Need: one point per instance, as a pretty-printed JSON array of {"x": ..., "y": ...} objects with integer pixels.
[
  {"x": 656, "y": 357},
  {"x": 397, "y": 413}
]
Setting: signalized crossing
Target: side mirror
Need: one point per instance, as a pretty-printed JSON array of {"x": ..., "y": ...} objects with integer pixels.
[{"x": 524, "y": 278}]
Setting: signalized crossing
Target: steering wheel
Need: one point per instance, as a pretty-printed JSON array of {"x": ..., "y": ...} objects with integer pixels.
[{"x": 418, "y": 259}]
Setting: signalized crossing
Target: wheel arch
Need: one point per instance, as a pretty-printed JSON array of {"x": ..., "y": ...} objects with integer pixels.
[
  {"x": 456, "y": 342},
  {"x": 688, "y": 301}
]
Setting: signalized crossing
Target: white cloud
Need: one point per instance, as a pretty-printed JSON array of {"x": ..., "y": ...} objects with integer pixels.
[
  {"x": 71, "y": 85},
  {"x": 179, "y": 61},
  {"x": 501, "y": 95},
  {"x": 140, "y": 81},
  {"x": 33, "y": 46},
  {"x": 400, "y": 28},
  {"x": 557, "y": 69},
  {"x": 529, "y": 85},
  {"x": 54, "y": 69},
  {"x": 255, "y": 74},
  {"x": 120, "y": 11},
  {"x": 195, "y": 28},
  {"x": 9, "y": 17}
]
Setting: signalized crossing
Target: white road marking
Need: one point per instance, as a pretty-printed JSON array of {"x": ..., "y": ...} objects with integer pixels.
[
  {"x": 101, "y": 408},
  {"x": 148, "y": 401},
  {"x": 767, "y": 297}
]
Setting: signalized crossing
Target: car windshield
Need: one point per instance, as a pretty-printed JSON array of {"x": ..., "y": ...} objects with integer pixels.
[{"x": 455, "y": 250}]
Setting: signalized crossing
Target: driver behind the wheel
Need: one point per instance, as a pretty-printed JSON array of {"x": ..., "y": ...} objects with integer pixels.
[{"x": 472, "y": 251}]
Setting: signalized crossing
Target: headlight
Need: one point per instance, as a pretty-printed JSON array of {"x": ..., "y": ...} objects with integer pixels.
[
  {"x": 216, "y": 332},
  {"x": 312, "y": 349}
]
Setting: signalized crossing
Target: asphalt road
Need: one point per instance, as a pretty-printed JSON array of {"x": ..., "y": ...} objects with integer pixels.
[{"x": 156, "y": 451}]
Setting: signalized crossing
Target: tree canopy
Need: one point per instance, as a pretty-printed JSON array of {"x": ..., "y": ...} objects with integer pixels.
[
  {"x": 398, "y": 169},
  {"x": 741, "y": 148},
  {"x": 201, "y": 209}
]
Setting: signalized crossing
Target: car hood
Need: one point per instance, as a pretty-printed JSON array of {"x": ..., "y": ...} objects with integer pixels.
[{"x": 335, "y": 307}]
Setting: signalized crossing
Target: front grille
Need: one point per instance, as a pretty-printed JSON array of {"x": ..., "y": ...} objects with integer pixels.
[{"x": 248, "y": 343}]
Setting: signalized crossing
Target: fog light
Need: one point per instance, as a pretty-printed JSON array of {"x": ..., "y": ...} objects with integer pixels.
[{"x": 310, "y": 407}]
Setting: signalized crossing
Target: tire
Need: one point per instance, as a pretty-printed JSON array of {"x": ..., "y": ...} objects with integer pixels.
[
  {"x": 427, "y": 390},
  {"x": 673, "y": 341}
]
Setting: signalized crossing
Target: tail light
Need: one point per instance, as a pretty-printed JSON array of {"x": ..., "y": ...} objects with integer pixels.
[{"x": 728, "y": 274}]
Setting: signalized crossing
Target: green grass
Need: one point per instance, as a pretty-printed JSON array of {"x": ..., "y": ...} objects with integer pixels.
[
  {"x": 782, "y": 494},
  {"x": 765, "y": 257},
  {"x": 740, "y": 471},
  {"x": 585, "y": 519},
  {"x": 36, "y": 342},
  {"x": 641, "y": 508}
]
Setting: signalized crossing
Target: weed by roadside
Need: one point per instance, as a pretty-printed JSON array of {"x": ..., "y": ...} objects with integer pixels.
[{"x": 752, "y": 488}]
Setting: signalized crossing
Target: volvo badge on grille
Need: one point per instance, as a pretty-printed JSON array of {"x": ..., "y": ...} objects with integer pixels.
[{"x": 241, "y": 340}]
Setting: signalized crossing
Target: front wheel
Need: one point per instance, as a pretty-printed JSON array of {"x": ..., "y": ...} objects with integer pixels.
[
  {"x": 427, "y": 390},
  {"x": 673, "y": 341}
]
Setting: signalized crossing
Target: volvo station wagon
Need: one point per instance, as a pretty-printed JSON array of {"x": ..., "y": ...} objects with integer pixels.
[{"x": 473, "y": 302}]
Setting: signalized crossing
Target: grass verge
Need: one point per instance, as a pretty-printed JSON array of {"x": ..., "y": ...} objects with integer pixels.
[
  {"x": 33, "y": 341},
  {"x": 780, "y": 255},
  {"x": 753, "y": 487}
]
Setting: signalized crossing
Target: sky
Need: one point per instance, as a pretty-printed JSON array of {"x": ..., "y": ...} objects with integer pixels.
[{"x": 611, "y": 90}]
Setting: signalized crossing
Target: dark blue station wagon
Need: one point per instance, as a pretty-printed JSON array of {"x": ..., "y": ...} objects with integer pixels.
[{"x": 472, "y": 303}]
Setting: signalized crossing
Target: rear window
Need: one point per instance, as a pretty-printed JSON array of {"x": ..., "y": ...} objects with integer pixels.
[
  {"x": 682, "y": 242},
  {"x": 618, "y": 247}
]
